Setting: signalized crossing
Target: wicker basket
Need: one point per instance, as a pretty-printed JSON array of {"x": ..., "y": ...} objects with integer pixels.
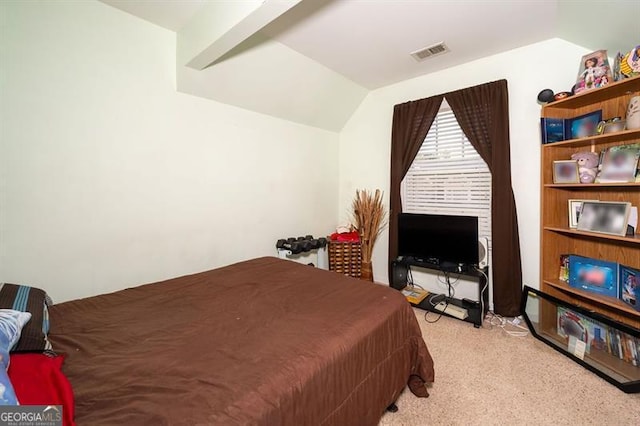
[{"x": 345, "y": 258}]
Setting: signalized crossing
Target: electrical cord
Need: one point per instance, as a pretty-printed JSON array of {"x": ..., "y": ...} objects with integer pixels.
[
  {"x": 499, "y": 321},
  {"x": 410, "y": 281},
  {"x": 486, "y": 285},
  {"x": 450, "y": 286},
  {"x": 451, "y": 292},
  {"x": 447, "y": 276},
  {"x": 511, "y": 327},
  {"x": 426, "y": 313}
]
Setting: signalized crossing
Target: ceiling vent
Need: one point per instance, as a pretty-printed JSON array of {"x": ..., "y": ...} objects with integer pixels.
[{"x": 428, "y": 52}]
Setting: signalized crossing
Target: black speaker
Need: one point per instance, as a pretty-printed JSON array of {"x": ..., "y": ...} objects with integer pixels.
[{"x": 399, "y": 276}]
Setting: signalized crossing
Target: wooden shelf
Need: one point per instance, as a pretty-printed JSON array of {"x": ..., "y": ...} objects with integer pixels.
[
  {"x": 591, "y": 185},
  {"x": 622, "y": 136},
  {"x": 557, "y": 238},
  {"x": 603, "y": 300},
  {"x": 600, "y": 359},
  {"x": 606, "y": 361},
  {"x": 594, "y": 96},
  {"x": 633, "y": 240}
]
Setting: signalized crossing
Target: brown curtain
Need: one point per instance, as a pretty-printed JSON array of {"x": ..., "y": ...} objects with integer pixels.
[
  {"x": 483, "y": 114},
  {"x": 411, "y": 123}
]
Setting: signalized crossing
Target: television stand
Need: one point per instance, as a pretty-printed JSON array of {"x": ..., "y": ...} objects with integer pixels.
[{"x": 474, "y": 309}]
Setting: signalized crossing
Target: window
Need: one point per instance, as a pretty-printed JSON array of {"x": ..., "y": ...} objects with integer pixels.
[{"x": 448, "y": 176}]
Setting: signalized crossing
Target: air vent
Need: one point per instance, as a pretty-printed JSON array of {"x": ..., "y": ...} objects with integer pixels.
[{"x": 428, "y": 52}]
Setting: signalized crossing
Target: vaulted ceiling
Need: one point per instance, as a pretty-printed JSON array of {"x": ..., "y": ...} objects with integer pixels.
[{"x": 313, "y": 61}]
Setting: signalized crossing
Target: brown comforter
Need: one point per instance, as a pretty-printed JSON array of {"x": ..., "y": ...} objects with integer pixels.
[{"x": 264, "y": 342}]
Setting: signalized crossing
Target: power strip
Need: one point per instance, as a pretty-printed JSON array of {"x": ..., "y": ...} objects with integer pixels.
[{"x": 453, "y": 310}]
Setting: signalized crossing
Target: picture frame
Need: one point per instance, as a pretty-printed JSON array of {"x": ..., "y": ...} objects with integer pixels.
[
  {"x": 629, "y": 286},
  {"x": 619, "y": 164},
  {"x": 593, "y": 275},
  {"x": 594, "y": 71},
  {"x": 565, "y": 171},
  {"x": 611, "y": 126},
  {"x": 585, "y": 125},
  {"x": 605, "y": 217},
  {"x": 553, "y": 129},
  {"x": 575, "y": 207}
]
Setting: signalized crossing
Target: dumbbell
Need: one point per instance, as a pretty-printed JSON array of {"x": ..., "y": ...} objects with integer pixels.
[
  {"x": 281, "y": 243},
  {"x": 290, "y": 244},
  {"x": 305, "y": 245},
  {"x": 301, "y": 244}
]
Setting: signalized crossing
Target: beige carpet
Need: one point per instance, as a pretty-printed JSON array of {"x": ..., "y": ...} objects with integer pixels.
[{"x": 485, "y": 377}]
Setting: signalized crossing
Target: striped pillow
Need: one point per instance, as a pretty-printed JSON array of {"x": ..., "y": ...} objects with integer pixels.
[{"x": 33, "y": 300}]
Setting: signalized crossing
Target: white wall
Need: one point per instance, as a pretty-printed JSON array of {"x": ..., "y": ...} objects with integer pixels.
[
  {"x": 365, "y": 140},
  {"x": 110, "y": 178}
]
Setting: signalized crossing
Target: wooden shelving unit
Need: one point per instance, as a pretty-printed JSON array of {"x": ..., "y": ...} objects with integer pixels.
[
  {"x": 609, "y": 302},
  {"x": 556, "y": 236}
]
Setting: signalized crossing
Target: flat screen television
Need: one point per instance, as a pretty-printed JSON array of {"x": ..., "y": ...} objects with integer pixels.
[{"x": 432, "y": 238}]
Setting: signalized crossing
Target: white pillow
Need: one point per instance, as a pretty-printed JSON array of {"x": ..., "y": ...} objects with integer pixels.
[{"x": 11, "y": 323}]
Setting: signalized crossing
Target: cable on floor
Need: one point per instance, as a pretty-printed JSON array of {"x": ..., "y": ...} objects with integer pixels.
[{"x": 510, "y": 326}]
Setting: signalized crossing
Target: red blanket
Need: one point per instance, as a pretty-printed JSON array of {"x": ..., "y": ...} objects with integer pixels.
[{"x": 38, "y": 380}]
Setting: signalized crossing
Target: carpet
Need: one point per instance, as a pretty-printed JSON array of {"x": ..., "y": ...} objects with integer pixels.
[{"x": 486, "y": 377}]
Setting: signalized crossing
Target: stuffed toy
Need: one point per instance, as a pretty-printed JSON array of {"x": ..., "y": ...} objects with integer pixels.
[
  {"x": 587, "y": 165},
  {"x": 345, "y": 233}
]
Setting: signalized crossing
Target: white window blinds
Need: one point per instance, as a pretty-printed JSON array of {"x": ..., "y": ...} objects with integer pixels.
[{"x": 448, "y": 176}]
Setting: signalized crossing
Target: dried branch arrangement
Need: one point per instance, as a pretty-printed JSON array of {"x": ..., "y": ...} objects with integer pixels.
[{"x": 370, "y": 218}]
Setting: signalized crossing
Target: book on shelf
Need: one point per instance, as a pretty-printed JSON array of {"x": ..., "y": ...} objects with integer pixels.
[
  {"x": 629, "y": 286},
  {"x": 564, "y": 268},
  {"x": 598, "y": 336},
  {"x": 572, "y": 324},
  {"x": 415, "y": 295},
  {"x": 553, "y": 130}
]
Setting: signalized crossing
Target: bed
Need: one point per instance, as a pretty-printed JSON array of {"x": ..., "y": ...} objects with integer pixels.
[{"x": 262, "y": 342}]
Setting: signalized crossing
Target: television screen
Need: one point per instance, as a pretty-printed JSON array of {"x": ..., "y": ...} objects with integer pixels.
[{"x": 438, "y": 238}]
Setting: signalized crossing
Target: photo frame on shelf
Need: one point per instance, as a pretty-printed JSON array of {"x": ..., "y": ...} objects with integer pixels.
[
  {"x": 629, "y": 283},
  {"x": 619, "y": 164},
  {"x": 605, "y": 217},
  {"x": 632, "y": 222},
  {"x": 553, "y": 129},
  {"x": 593, "y": 275},
  {"x": 575, "y": 207},
  {"x": 585, "y": 125},
  {"x": 613, "y": 125},
  {"x": 594, "y": 71},
  {"x": 565, "y": 171}
]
